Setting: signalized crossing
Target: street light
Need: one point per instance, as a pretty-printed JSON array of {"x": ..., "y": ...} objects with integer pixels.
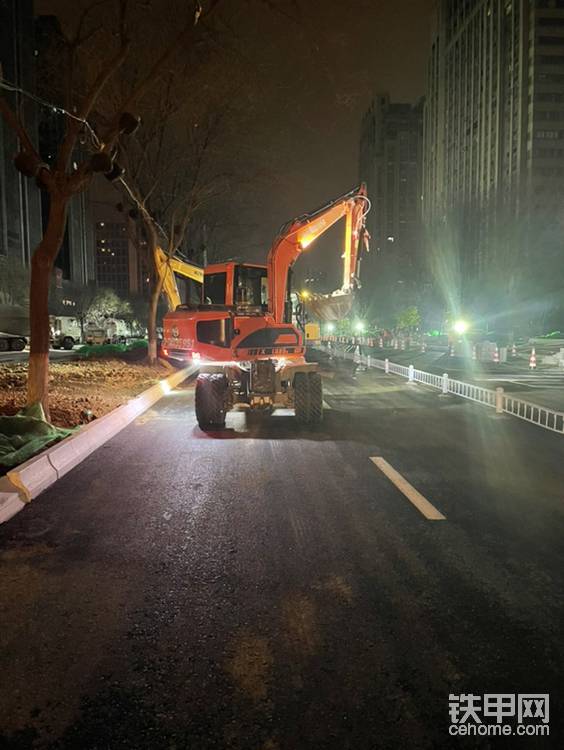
[
  {"x": 330, "y": 327},
  {"x": 460, "y": 327},
  {"x": 359, "y": 326}
]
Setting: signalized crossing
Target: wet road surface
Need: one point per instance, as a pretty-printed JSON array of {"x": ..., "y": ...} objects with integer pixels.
[{"x": 268, "y": 587}]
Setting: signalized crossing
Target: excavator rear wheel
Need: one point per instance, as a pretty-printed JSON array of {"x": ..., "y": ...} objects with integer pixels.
[
  {"x": 301, "y": 397},
  {"x": 308, "y": 397},
  {"x": 211, "y": 398},
  {"x": 315, "y": 398}
]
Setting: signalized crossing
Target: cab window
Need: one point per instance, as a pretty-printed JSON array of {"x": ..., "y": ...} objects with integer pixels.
[
  {"x": 214, "y": 288},
  {"x": 215, "y": 332},
  {"x": 251, "y": 286}
]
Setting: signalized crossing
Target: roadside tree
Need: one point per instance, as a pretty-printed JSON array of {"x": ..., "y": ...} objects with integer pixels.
[
  {"x": 408, "y": 319},
  {"x": 97, "y": 40}
]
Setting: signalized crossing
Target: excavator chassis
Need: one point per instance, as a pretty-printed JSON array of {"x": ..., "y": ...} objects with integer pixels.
[{"x": 260, "y": 386}]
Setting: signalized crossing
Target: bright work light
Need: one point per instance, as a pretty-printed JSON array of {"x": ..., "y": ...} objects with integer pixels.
[
  {"x": 461, "y": 326},
  {"x": 359, "y": 326}
]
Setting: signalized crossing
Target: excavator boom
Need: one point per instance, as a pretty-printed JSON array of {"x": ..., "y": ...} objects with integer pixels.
[{"x": 298, "y": 234}]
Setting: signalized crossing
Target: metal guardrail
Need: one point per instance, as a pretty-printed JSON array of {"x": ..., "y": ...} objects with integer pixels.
[{"x": 541, "y": 416}]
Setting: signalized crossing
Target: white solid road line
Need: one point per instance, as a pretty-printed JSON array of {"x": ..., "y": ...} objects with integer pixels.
[{"x": 415, "y": 497}]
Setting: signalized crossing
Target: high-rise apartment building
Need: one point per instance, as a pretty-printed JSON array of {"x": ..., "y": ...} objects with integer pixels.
[
  {"x": 24, "y": 41},
  {"x": 391, "y": 165},
  {"x": 493, "y": 189},
  {"x": 20, "y": 208},
  {"x": 75, "y": 261},
  {"x": 119, "y": 264}
]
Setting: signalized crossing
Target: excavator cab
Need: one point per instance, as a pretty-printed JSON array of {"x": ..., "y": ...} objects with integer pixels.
[{"x": 240, "y": 286}]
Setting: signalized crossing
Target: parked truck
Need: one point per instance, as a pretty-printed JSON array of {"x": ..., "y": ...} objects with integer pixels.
[
  {"x": 14, "y": 328},
  {"x": 65, "y": 331}
]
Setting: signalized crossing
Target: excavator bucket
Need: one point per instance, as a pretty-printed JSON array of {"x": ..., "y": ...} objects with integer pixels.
[{"x": 329, "y": 307}]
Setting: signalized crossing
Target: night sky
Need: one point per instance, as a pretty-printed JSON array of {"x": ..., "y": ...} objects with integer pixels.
[{"x": 315, "y": 66}]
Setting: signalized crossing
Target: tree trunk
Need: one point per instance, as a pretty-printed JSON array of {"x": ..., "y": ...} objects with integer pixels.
[
  {"x": 41, "y": 268},
  {"x": 156, "y": 287},
  {"x": 152, "y": 324}
]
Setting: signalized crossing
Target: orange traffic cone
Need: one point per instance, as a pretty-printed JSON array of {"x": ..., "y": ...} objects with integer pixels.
[{"x": 533, "y": 360}]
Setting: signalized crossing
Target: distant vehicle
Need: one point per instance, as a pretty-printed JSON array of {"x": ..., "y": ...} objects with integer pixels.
[
  {"x": 65, "y": 332},
  {"x": 11, "y": 343},
  {"x": 110, "y": 331},
  {"x": 14, "y": 328},
  {"x": 95, "y": 335}
]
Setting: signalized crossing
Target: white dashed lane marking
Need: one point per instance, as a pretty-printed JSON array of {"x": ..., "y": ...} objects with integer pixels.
[{"x": 413, "y": 495}]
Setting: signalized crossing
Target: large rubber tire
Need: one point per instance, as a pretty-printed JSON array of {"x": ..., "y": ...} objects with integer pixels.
[
  {"x": 17, "y": 345},
  {"x": 211, "y": 398},
  {"x": 68, "y": 343},
  {"x": 4, "y": 345},
  {"x": 315, "y": 398},
  {"x": 301, "y": 397}
]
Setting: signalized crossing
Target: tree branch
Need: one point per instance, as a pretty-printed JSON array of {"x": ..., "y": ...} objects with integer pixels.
[
  {"x": 155, "y": 71},
  {"x": 73, "y": 126}
]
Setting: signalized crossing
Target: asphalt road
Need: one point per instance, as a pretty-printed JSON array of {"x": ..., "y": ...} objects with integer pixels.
[
  {"x": 54, "y": 355},
  {"x": 266, "y": 587}
]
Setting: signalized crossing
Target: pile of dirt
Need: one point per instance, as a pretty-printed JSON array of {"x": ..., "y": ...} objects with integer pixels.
[{"x": 80, "y": 390}]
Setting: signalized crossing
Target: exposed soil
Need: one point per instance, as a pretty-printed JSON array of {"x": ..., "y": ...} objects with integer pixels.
[{"x": 80, "y": 390}]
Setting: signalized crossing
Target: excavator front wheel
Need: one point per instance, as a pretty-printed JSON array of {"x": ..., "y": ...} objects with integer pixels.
[
  {"x": 308, "y": 397},
  {"x": 211, "y": 400}
]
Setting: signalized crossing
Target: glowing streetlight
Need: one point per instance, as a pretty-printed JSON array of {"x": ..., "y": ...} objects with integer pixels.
[
  {"x": 460, "y": 327},
  {"x": 359, "y": 326},
  {"x": 330, "y": 327}
]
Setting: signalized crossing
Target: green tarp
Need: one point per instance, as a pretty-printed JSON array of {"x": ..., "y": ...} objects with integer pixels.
[{"x": 25, "y": 434}]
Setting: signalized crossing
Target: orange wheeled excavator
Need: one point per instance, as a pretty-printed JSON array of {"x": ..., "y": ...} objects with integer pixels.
[{"x": 242, "y": 335}]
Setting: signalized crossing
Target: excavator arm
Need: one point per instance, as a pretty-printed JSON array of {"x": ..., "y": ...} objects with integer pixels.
[
  {"x": 166, "y": 268},
  {"x": 298, "y": 234}
]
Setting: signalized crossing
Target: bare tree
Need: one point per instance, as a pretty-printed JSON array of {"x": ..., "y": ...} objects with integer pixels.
[
  {"x": 173, "y": 174},
  {"x": 96, "y": 49}
]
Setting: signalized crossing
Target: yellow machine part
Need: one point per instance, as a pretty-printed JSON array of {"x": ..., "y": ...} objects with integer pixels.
[
  {"x": 167, "y": 267},
  {"x": 312, "y": 333}
]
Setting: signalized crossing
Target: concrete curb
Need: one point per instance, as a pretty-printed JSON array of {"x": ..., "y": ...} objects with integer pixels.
[
  {"x": 10, "y": 502},
  {"x": 29, "y": 479}
]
